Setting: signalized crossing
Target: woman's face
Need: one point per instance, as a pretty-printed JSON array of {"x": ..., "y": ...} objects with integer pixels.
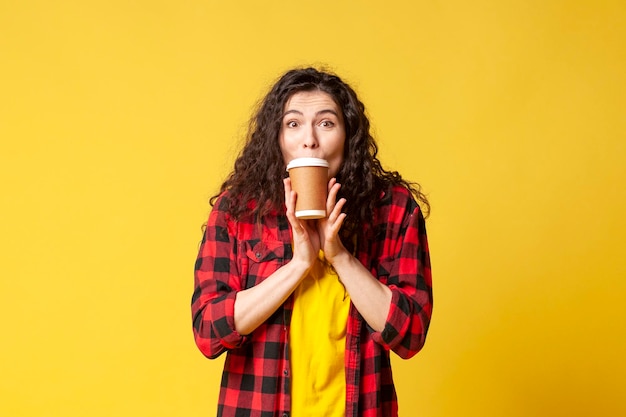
[{"x": 313, "y": 126}]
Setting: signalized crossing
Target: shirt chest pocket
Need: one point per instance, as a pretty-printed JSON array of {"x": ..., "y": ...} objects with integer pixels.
[{"x": 260, "y": 259}]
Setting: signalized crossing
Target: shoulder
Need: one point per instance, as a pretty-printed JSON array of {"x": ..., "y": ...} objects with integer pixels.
[
  {"x": 222, "y": 211},
  {"x": 222, "y": 201},
  {"x": 246, "y": 225},
  {"x": 397, "y": 198},
  {"x": 226, "y": 201},
  {"x": 221, "y": 206}
]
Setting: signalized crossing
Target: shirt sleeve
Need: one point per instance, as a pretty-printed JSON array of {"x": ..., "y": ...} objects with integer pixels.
[
  {"x": 216, "y": 283},
  {"x": 405, "y": 268}
]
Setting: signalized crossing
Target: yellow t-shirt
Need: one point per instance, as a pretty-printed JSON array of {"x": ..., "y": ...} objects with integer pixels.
[{"x": 317, "y": 340}]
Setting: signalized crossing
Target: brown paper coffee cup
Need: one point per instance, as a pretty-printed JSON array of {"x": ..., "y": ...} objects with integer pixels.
[{"x": 309, "y": 179}]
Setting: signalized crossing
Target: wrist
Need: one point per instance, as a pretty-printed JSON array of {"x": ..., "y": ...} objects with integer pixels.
[
  {"x": 340, "y": 259},
  {"x": 300, "y": 267}
]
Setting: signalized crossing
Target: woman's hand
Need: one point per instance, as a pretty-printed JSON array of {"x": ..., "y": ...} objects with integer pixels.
[
  {"x": 370, "y": 297},
  {"x": 328, "y": 228},
  {"x": 256, "y": 304},
  {"x": 306, "y": 239}
]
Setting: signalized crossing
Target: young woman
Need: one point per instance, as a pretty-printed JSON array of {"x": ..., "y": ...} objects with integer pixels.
[{"x": 308, "y": 310}]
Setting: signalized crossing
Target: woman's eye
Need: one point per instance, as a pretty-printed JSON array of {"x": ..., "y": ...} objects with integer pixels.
[
  {"x": 292, "y": 124},
  {"x": 327, "y": 123}
]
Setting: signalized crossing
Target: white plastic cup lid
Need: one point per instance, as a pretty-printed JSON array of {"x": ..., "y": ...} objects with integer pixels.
[
  {"x": 310, "y": 214},
  {"x": 307, "y": 162}
]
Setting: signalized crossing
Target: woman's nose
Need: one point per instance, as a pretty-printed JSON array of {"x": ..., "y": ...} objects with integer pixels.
[{"x": 310, "y": 140}]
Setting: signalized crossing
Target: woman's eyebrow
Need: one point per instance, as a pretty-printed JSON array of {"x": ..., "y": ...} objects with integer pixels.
[
  {"x": 317, "y": 113},
  {"x": 292, "y": 111},
  {"x": 327, "y": 111}
]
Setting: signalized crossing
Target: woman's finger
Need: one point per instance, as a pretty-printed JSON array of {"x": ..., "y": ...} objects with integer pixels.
[
  {"x": 290, "y": 204},
  {"x": 332, "y": 182},
  {"x": 287, "y": 186},
  {"x": 333, "y": 190},
  {"x": 336, "y": 210}
]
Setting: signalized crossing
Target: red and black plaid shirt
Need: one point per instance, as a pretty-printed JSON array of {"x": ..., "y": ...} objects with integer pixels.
[{"x": 236, "y": 255}]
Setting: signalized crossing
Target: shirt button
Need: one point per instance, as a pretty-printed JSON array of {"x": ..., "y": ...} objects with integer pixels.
[
  {"x": 258, "y": 255},
  {"x": 285, "y": 415},
  {"x": 285, "y": 372}
]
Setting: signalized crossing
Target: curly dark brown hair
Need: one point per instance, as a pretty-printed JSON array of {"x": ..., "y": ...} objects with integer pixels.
[{"x": 255, "y": 185}]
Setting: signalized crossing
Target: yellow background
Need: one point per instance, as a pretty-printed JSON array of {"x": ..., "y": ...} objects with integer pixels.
[{"x": 119, "y": 119}]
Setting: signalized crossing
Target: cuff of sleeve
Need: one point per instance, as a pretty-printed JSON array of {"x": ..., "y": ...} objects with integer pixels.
[
  {"x": 396, "y": 324},
  {"x": 224, "y": 327}
]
